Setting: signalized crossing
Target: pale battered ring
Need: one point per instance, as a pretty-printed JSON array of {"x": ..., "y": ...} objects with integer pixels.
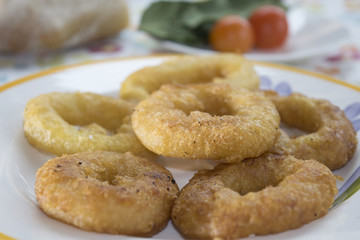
[
  {"x": 233, "y": 69},
  {"x": 206, "y": 121},
  {"x": 331, "y": 138},
  {"x": 266, "y": 195},
  {"x": 66, "y": 123},
  {"x": 107, "y": 192}
]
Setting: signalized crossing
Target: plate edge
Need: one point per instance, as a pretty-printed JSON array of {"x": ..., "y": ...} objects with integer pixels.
[{"x": 14, "y": 83}]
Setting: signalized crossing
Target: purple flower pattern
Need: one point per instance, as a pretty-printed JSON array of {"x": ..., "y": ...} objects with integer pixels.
[
  {"x": 282, "y": 88},
  {"x": 353, "y": 113}
]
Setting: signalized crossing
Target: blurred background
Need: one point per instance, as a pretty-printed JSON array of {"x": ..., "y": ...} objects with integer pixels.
[{"x": 36, "y": 35}]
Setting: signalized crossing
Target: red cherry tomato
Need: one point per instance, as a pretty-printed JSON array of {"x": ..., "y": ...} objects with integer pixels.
[
  {"x": 232, "y": 34},
  {"x": 270, "y": 26}
]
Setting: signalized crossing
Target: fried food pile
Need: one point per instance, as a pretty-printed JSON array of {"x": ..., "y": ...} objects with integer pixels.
[{"x": 105, "y": 178}]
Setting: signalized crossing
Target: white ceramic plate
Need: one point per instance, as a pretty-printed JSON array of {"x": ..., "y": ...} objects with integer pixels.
[
  {"x": 20, "y": 217},
  {"x": 308, "y": 37}
]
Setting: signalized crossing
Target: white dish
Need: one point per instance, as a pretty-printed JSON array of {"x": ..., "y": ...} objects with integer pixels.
[
  {"x": 308, "y": 37},
  {"x": 20, "y": 217}
]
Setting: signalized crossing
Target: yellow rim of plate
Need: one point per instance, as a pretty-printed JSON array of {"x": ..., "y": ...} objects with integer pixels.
[
  {"x": 306, "y": 72},
  {"x": 5, "y": 237},
  {"x": 272, "y": 65}
]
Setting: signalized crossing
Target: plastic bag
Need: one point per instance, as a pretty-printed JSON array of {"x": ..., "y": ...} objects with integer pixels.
[{"x": 31, "y": 25}]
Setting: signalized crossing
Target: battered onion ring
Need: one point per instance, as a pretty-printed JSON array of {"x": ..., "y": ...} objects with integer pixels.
[
  {"x": 331, "y": 139},
  {"x": 206, "y": 121},
  {"x": 50, "y": 124},
  {"x": 260, "y": 196},
  {"x": 230, "y": 68},
  {"x": 107, "y": 192}
]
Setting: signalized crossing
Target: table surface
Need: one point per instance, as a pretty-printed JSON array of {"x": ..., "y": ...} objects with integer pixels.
[{"x": 342, "y": 63}]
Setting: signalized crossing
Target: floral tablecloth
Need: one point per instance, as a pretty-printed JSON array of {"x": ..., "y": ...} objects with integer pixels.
[{"x": 342, "y": 63}]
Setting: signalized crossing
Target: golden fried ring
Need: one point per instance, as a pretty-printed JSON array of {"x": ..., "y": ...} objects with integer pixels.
[
  {"x": 260, "y": 196},
  {"x": 107, "y": 192},
  {"x": 76, "y": 122},
  {"x": 230, "y": 68},
  {"x": 331, "y": 139},
  {"x": 206, "y": 121}
]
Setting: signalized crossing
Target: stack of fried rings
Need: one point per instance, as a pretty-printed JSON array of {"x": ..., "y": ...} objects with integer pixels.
[
  {"x": 66, "y": 123},
  {"x": 221, "y": 68},
  {"x": 290, "y": 170}
]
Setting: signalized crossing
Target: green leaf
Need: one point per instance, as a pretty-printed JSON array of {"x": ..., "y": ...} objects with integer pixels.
[
  {"x": 354, "y": 187},
  {"x": 191, "y": 22}
]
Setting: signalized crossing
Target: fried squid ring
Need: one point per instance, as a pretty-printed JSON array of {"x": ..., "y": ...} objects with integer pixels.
[
  {"x": 62, "y": 123},
  {"x": 107, "y": 192},
  {"x": 260, "y": 196},
  {"x": 206, "y": 121},
  {"x": 331, "y": 138},
  {"x": 230, "y": 68}
]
